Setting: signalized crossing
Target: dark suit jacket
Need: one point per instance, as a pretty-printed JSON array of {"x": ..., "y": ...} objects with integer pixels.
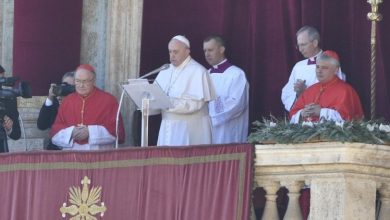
[
  {"x": 47, "y": 115},
  {"x": 9, "y": 107},
  {"x": 46, "y": 118}
]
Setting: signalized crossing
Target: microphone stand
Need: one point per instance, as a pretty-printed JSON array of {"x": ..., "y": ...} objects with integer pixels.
[{"x": 117, "y": 118}]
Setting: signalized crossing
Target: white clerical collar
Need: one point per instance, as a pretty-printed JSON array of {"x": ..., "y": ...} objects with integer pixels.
[
  {"x": 216, "y": 66},
  {"x": 183, "y": 64},
  {"x": 312, "y": 58}
]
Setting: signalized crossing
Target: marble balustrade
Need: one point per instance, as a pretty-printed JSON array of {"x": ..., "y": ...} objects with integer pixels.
[{"x": 343, "y": 179}]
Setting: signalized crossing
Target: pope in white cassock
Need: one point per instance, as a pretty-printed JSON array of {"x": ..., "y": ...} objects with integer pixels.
[
  {"x": 189, "y": 88},
  {"x": 303, "y": 74},
  {"x": 229, "y": 112}
]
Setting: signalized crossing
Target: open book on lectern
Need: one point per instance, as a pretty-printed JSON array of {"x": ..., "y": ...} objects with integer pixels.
[{"x": 139, "y": 89}]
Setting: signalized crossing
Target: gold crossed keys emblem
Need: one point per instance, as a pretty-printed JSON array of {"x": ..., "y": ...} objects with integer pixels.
[{"x": 84, "y": 202}]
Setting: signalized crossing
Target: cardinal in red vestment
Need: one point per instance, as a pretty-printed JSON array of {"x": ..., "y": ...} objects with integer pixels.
[
  {"x": 86, "y": 118},
  {"x": 330, "y": 98}
]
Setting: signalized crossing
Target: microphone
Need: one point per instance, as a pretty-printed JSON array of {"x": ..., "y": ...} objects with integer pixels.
[{"x": 163, "y": 67}]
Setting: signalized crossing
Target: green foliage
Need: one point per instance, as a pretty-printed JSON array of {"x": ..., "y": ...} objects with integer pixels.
[{"x": 274, "y": 130}]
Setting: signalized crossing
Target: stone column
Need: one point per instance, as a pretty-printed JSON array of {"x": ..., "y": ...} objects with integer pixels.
[
  {"x": 270, "y": 209},
  {"x": 293, "y": 208},
  {"x": 6, "y": 34},
  {"x": 93, "y": 37},
  {"x": 1, "y": 30},
  {"x": 123, "y": 51},
  {"x": 384, "y": 191},
  {"x": 342, "y": 197}
]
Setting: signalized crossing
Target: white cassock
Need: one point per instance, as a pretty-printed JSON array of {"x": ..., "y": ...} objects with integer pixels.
[
  {"x": 229, "y": 112},
  {"x": 305, "y": 72},
  {"x": 190, "y": 89}
]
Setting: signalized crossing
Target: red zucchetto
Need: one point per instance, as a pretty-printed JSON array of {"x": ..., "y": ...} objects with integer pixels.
[
  {"x": 86, "y": 67},
  {"x": 331, "y": 53}
]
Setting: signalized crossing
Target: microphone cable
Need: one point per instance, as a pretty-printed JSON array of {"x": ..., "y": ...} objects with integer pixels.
[
  {"x": 117, "y": 117},
  {"x": 23, "y": 132}
]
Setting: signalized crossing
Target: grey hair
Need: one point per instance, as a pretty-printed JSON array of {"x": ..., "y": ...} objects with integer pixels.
[
  {"x": 68, "y": 74},
  {"x": 311, "y": 31},
  {"x": 326, "y": 57}
]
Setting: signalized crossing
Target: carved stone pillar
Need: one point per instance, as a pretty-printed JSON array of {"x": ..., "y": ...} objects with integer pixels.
[
  {"x": 384, "y": 192},
  {"x": 6, "y": 34},
  {"x": 334, "y": 196},
  {"x": 1, "y": 30},
  {"x": 93, "y": 37},
  {"x": 270, "y": 209},
  {"x": 293, "y": 208},
  {"x": 123, "y": 51}
]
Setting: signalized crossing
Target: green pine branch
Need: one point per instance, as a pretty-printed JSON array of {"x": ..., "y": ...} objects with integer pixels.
[{"x": 275, "y": 130}]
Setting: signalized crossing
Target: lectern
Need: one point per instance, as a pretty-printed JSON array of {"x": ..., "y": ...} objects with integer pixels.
[{"x": 148, "y": 97}]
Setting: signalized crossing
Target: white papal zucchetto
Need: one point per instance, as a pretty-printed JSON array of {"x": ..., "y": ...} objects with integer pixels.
[{"x": 182, "y": 39}]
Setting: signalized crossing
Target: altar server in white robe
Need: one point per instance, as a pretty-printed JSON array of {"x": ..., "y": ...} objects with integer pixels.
[
  {"x": 303, "y": 74},
  {"x": 189, "y": 88},
  {"x": 229, "y": 112}
]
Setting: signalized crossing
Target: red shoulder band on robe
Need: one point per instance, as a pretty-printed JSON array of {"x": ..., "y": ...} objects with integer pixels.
[
  {"x": 336, "y": 95},
  {"x": 100, "y": 108}
]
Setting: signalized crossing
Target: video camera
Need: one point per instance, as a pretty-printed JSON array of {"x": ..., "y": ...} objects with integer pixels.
[
  {"x": 63, "y": 89},
  {"x": 22, "y": 89},
  {"x": 16, "y": 89}
]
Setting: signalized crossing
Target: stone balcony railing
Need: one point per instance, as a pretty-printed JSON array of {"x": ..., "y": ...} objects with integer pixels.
[
  {"x": 344, "y": 179},
  {"x": 32, "y": 138}
]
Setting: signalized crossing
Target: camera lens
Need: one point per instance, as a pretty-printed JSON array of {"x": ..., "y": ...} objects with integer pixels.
[
  {"x": 63, "y": 89},
  {"x": 57, "y": 90}
]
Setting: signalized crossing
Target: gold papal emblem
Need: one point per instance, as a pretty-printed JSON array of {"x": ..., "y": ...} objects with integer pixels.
[{"x": 84, "y": 202}]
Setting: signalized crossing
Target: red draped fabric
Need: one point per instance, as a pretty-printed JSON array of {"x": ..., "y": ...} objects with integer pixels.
[
  {"x": 47, "y": 36},
  {"x": 200, "y": 182},
  {"x": 261, "y": 40}
]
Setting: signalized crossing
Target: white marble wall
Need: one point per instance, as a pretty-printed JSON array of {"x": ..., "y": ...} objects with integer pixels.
[
  {"x": 93, "y": 37},
  {"x": 124, "y": 28},
  {"x": 1, "y": 29},
  {"x": 6, "y": 34}
]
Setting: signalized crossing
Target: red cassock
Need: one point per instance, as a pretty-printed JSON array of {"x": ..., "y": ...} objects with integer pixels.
[
  {"x": 98, "y": 108},
  {"x": 336, "y": 95}
]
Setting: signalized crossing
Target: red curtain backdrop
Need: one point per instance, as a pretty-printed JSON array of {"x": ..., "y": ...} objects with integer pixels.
[
  {"x": 261, "y": 40},
  {"x": 192, "y": 183},
  {"x": 47, "y": 37}
]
